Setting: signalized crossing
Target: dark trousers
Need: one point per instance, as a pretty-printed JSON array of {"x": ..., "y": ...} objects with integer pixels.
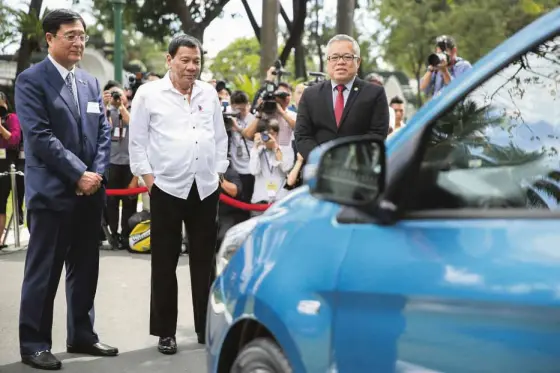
[
  {"x": 119, "y": 177},
  {"x": 248, "y": 185},
  {"x": 168, "y": 213},
  {"x": 60, "y": 238}
]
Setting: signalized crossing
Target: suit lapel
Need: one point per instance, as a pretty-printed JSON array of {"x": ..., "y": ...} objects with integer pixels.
[
  {"x": 354, "y": 92},
  {"x": 55, "y": 80},
  {"x": 327, "y": 97}
]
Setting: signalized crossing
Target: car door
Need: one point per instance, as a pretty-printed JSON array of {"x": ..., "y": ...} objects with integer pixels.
[{"x": 469, "y": 279}]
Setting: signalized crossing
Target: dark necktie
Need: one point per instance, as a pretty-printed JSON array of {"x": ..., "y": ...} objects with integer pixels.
[
  {"x": 339, "y": 104},
  {"x": 69, "y": 85}
]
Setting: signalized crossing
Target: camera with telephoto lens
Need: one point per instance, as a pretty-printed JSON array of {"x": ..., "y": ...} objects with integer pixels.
[
  {"x": 445, "y": 44},
  {"x": 435, "y": 59}
]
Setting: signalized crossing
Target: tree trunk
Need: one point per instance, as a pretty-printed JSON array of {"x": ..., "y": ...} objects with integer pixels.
[
  {"x": 269, "y": 35},
  {"x": 299, "y": 62},
  {"x": 296, "y": 29},
  {"x": 345, "y": 17},
  {"x": 27, "y": 44}
]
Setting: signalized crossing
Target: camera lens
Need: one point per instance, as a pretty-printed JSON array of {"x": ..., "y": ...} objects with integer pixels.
[
  {"x": 115, "y": 95},
  {"x": 435, "y": 59}
]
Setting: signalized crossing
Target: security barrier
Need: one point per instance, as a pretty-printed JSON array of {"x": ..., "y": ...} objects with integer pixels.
[{"x": 224, "y": 198}]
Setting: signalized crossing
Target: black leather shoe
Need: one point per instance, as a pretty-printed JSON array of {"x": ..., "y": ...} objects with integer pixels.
[
  {"x": 96, "y": 349},
  {"x": 167, "y": 345},
  {"x": 201, "y": 338},
  {"x": 42, "y": 360}
]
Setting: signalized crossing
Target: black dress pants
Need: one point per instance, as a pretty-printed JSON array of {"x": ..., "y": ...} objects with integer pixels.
[
  {"x": 119, "y": 177},
  {"x": 168, "y": 213}
]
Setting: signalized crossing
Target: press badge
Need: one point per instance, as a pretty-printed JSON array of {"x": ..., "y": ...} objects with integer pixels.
[
  {"x": 117, "y": 132},
  {"x": 2, "y": 153},
  {"x": 21, "y": 154},
  {"x": 239, "y": 152},
  {"x": 271, "y": 189}
]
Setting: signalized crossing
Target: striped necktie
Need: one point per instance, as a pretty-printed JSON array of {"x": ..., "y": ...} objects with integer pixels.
[{"x": 69, "y": 78}]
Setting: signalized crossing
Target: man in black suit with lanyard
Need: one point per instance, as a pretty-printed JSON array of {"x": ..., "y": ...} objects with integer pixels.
[{"x": 355, "y": 106}]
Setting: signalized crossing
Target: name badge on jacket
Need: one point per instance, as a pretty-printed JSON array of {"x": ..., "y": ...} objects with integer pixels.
[{"x": 93, "y": 108}]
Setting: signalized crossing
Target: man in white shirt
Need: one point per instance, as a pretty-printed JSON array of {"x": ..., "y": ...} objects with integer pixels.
[{"x": 178, "y": 145}]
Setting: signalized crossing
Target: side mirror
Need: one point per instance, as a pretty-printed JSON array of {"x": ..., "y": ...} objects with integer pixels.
[{"x": 351, "y": 171}]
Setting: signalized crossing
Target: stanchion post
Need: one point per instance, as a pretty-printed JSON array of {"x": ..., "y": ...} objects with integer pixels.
[{"x": 15, "y": 211}]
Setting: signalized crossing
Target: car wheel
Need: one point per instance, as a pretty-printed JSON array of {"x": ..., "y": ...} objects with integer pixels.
[{"x": 261, "y": 356}]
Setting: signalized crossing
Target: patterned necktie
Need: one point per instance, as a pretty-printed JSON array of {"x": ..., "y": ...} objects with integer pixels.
[
  {"x": 339, "y": 104},
  {"x": 69, "y": 85}
]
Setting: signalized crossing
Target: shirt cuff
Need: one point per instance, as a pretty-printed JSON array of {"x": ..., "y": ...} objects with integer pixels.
[
  {"x": 221, "y": 166},
  {"x": 141, "y": 169}
]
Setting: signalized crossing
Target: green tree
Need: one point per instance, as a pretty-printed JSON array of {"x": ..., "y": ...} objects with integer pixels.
[
  {"x": 241, "y": 57},
  {"x": 8, "y": 33}
]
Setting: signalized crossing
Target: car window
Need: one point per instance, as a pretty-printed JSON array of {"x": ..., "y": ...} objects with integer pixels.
[{"x": 498, "y": 147}]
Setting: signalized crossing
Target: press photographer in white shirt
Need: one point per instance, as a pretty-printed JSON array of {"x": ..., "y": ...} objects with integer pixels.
[
  {"x": 178, "y": 145},
  {"x": 269, "y": 162}
]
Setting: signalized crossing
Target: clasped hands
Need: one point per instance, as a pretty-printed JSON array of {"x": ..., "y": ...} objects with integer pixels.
[{"x": 89, "y": 183}]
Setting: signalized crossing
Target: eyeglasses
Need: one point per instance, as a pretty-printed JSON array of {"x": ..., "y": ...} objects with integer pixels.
[
  {"x": 345, "y": 58},
  {"x": 73, "y": 38}
]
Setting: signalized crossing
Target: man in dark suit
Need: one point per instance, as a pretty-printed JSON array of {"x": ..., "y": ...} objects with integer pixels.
[
  {"x": 342, "y": 106},
  {"x": 67, "y": 145}
]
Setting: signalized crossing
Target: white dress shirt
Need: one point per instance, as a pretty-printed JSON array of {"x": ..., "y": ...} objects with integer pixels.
[
  {"x": 270, "y": 174},
  {"x": 176, "y": 141},
  {"x": 64, "y": 73}
]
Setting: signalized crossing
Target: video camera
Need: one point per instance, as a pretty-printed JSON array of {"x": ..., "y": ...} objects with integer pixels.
[
  {"x": 134, "y": 82},
  {"x": 319, "y": 77},
  {"x": 269, "y": 93}
]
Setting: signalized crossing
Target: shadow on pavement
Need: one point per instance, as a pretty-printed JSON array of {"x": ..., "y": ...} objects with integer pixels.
[{"x": 190, "y": 358}]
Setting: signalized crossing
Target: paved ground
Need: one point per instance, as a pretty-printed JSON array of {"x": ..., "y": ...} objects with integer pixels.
[{"x": 122, "y": 319}]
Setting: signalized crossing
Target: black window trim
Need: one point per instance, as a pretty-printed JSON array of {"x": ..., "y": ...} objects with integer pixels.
[{"x": 474, "y": 213}]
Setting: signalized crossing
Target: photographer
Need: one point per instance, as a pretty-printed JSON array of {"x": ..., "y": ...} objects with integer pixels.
[
  {"x": 119, "y": 174},
  {"x": 231, "y": 185},
  {"x": 443, "y": 66},
  {"x": 10, "y": 136},
  {"x": 239, "y": 150},
  {"x": 270, "y": 162},
  {"x": 274, "y": 105}
]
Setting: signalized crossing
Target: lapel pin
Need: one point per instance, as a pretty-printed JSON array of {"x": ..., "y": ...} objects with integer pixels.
[
  {"x": 356, "y": 89},
  {"x": 82, "y": 81},
  {"x": 199, "y": 108}
]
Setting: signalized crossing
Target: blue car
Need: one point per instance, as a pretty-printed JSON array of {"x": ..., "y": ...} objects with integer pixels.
[{"x": 435, "y": 251}]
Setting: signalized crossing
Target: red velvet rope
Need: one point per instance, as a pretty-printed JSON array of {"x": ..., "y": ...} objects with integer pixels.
[{"x": 225, "y": 199}]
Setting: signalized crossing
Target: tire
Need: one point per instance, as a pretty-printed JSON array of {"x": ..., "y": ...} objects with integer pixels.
[{"x": 261, "y": 356}]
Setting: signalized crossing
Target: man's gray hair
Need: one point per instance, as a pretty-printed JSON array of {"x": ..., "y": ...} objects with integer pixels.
[{"x": 344, "y": 37}]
